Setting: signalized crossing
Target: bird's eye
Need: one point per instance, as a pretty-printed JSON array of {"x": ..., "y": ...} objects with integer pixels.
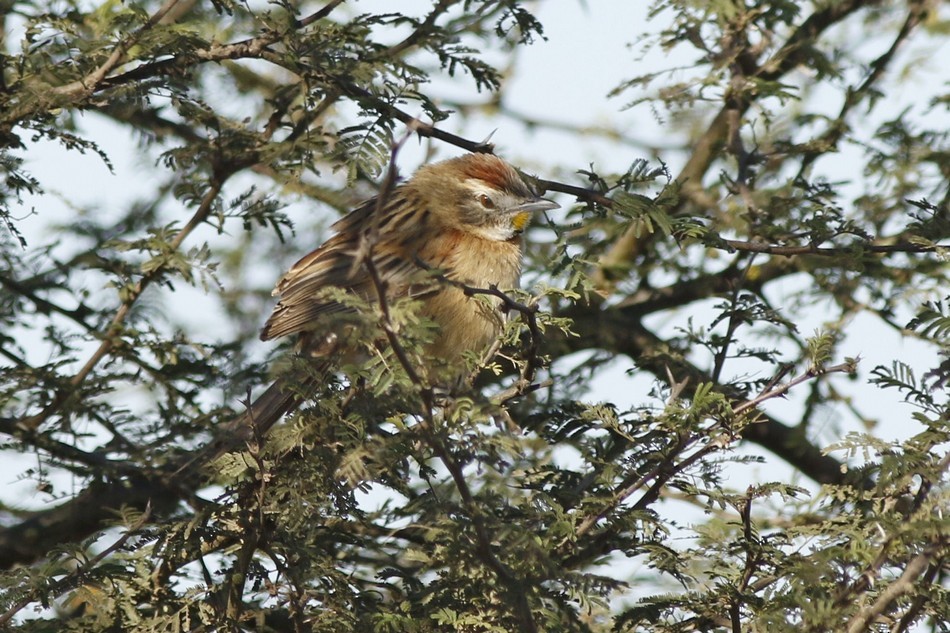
[{"x": 485, "y": 201}]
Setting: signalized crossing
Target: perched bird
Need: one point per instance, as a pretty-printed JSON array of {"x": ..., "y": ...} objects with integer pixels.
[{"x": 462, "y": 217}]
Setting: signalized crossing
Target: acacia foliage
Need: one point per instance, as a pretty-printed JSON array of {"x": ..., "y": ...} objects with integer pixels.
[{"x": 516, "y": 504}]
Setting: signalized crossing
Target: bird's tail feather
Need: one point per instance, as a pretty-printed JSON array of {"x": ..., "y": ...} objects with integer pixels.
[
  {"x": 284, "y": 395},
  {"x": 278, "y": 400}
]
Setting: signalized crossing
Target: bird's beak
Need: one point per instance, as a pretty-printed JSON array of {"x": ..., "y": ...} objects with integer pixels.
[{"x": 521, "y": 214}]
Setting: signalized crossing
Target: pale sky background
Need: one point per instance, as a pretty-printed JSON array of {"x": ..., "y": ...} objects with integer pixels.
[{"x": 565, "y": 78}]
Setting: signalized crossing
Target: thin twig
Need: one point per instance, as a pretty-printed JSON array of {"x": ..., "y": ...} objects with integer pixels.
[
  {"x": 364, "y": 257},
  {"x": 751, "y": 560},
  {"x": 250, "y": 534},
  {"x": 719, "y": 361},
  {"x": 413, "y": 38},
  {"x": 482, "y": 537},
  {"x": 319, "y": 14},
  {"x": 782, "y": 389},
  {"x": 421, "y": 128},
  {"x": 623, "y": 493}
]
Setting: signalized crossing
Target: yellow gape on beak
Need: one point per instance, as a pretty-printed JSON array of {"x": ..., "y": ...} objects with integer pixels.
[
  {"x": 520, "y": 220},
  {"x": 523, "y": 212}
]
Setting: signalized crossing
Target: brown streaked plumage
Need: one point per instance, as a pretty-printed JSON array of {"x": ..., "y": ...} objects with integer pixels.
[{"x": 462, "y": 216}]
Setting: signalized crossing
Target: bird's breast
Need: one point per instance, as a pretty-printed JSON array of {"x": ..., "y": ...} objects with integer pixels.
[
  {"x": 469, "y": 322},
  {"x": 474, "y": 261}
]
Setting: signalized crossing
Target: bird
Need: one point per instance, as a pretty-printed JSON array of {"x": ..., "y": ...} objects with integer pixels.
[{"x": 454, "y": 225}]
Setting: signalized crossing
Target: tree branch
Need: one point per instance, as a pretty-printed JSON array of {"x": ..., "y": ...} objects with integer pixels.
[
  {"x": 76, "y": 575},
  {"x": 903, "y": 585},
  {"x": 111, "y": 334},
  {"x": 879, "y": 246}
]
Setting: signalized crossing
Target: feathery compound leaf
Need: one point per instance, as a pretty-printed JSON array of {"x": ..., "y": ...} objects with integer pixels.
[
  {"x": 820, "y": 347},
  {"x": 365, "y": 147},
  {"x": 933, "y": 321}
]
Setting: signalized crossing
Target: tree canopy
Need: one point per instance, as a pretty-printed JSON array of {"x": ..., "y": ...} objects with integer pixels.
[{"x": 681, "y": 430}]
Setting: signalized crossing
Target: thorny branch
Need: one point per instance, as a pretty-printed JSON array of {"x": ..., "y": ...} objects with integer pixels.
[
  {"x": 879, "y": 246},
  {"x": 717, "y": 438},
  {"x": 882, "y": 245},
  {"x": 777, "y": 391},
  {"x": 733, "y": 323},
  {"x": 421, "y": 128}
]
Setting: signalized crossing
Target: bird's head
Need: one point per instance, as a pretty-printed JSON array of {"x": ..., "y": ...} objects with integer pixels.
[{"x": 481, "y": 194}]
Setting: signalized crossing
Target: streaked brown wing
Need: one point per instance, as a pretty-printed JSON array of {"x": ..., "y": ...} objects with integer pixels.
[{"x": 302, "y": 290}]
